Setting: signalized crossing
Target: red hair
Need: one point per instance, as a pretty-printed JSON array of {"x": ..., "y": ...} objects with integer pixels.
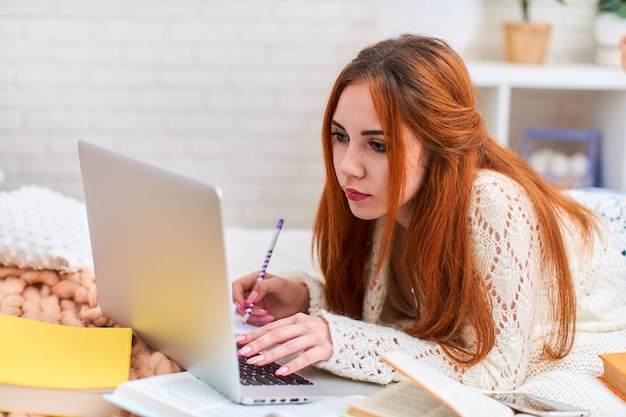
[{"x": 421, "y": 83}]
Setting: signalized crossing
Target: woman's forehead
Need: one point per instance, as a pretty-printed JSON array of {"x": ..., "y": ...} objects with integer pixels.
[{"x": 355, "y": 107}]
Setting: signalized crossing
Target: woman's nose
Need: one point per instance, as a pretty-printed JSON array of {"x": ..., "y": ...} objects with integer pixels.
[{"x": 352, "y": 162}]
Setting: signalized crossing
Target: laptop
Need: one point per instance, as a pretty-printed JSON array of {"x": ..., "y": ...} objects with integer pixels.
[{"x": 160, "y": 263}]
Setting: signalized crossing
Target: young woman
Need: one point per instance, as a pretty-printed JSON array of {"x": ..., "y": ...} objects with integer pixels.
[{"x": 431, "y": 237}]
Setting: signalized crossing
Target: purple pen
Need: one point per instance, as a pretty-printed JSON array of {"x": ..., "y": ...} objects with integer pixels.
[{"x": 268, "y": 255}]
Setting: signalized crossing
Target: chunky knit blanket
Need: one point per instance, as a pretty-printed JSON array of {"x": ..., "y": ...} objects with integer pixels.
[{"x": 69, "y": 298}]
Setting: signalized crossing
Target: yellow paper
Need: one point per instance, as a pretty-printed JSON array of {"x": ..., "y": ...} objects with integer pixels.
[{"x": 38, "y": 354}]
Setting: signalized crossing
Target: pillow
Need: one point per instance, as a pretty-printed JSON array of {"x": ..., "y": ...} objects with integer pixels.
[{"x": 43, "y": 229}]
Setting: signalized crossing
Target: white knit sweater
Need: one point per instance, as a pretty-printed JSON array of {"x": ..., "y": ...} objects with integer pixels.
[{"x": 506, "y": 247}]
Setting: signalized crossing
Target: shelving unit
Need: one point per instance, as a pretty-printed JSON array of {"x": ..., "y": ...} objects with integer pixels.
[{"x": 605, "y": 110}]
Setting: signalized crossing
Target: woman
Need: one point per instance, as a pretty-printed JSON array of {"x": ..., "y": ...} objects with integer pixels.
[{"x": 432, "y": 238}]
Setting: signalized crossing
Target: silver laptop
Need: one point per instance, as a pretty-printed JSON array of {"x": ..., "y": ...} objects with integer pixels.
[{"x": 160, "y": 265}]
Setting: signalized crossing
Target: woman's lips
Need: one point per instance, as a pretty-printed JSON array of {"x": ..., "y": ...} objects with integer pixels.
[{"x": 355, "y": 195}]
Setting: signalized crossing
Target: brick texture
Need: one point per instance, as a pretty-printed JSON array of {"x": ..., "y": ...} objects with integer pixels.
[{"x": 229, "y": 92}]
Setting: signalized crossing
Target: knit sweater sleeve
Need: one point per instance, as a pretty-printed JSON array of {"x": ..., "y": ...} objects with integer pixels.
[{"x": 507, "y": 253}]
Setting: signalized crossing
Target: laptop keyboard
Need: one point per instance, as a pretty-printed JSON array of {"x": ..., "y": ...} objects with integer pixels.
[{"x": 264, "y": 375}]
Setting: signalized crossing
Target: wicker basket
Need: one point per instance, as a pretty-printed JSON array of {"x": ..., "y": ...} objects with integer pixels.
[{"x": 526, "y": 42}]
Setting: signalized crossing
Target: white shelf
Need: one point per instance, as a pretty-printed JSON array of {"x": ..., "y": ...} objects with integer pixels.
[
  {"x": 558, "y": 77},
  {"x": 606, "y": 111}
]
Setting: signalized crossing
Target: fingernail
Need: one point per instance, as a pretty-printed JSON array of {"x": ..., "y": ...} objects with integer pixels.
[
  {"x": 259, "y": 312},
  {"x": 239, "y": 308},
  {"x": 255, "y": 359},
  {"x": 244, "y": 351},
  {"x": 251, "y": 298},
  {"x": 281, "y": 371},
  {"x": 240, "y": 338}
]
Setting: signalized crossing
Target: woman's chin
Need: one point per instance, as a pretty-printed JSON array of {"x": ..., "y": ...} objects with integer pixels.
[{"x": 365, "y": 214}]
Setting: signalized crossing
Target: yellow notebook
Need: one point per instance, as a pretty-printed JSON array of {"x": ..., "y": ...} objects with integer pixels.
[
  {"x": 61, "y": 370},
  {"x": 45, "y": 355}
]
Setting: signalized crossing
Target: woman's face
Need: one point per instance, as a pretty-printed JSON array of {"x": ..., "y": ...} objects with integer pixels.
[{"x": 360, "y": 160}]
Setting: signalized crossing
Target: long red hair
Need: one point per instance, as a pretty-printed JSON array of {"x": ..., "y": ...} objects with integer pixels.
[{"x": 421, "y": 83}]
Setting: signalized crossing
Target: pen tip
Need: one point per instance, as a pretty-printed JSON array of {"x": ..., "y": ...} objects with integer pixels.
[
  {"x": 245, "y": 318},
  {"x": 280, "y": 223}
]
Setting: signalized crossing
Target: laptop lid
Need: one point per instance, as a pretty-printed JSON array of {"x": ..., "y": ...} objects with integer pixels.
[
  {"x": 159, "y": 260},
  {"x": 160, "y": 264}
]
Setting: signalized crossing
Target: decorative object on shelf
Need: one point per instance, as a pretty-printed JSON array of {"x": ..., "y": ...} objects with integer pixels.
[
  {"x": 527, "y": 41},
  {"x": 608, "y": 27},
  {"x": 567, "y": 157},
  {"x": 433, "y": 18},
  {"x": 511, "y": 97}
]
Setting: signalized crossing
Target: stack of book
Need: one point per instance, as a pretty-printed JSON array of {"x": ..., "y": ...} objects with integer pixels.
[
  {"x": 53, "y": 369},
  {"x": 614, "y": 375}
]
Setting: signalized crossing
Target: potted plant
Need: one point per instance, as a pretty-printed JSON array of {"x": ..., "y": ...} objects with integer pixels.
[
  {"x": 609, "y": 26},
  {"x": 526, "y": 41}
]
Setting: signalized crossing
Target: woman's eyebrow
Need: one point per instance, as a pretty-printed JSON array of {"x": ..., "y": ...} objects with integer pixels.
[
  {"x": 363, "y": 132},
  {"x": 337, "y": 124},
  {"x": 372, "y": 132}
]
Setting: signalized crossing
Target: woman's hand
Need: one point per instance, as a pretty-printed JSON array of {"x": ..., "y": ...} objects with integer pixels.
[
  {"x": 306, "y": 336},
  {"x": 274, "y": 297}
]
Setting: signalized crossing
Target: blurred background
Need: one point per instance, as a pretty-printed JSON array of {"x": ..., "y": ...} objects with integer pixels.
[{"x": 229, "y": 92}]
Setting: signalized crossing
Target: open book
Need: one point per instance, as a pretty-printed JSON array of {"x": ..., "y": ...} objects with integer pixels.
[
  {"x": 183, "y": 395},
  {"x": 427, "y": 393}
]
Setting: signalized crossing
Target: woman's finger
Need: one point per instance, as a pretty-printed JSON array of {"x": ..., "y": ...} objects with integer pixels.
[
  {"x": 300, "y": 334},
  {"x": 241, "y": 287},
  {"x": 251, "y": 338},
  {"x": 260, "y": 320},
  {"x": 261, "y": 287},
  {"x": 307, "y": 358}
]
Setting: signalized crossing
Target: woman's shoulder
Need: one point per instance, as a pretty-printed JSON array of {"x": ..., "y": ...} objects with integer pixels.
[
  {"x": 494, "y": 186},
  {"x": 496, "y": 199}
]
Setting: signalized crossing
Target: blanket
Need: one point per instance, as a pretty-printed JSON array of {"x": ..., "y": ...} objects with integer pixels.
[{"x": 70, "y": 298}]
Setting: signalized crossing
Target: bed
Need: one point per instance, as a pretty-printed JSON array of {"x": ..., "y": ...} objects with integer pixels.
[{"x": 46, "y": 272}]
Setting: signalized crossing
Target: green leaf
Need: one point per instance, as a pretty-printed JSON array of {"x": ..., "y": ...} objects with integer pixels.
[
  {"x": 613, "y": 6},
  {"x": 526, "y": 8}
]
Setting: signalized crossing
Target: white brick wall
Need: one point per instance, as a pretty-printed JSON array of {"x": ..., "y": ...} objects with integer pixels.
[{"x": 229, "y": 92}]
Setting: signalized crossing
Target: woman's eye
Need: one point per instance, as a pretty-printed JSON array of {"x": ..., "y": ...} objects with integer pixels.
[
  {"x": 378, "y": 146},
  {"x": 340, "y": 137}
]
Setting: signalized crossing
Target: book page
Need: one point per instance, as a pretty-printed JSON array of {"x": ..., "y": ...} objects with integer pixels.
[
  {"x": 404, "y": 399},
  {"x": 182, "y": 394},
  {"x": 464, "y": 400},
  {"x": 240, "y": 326}
]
